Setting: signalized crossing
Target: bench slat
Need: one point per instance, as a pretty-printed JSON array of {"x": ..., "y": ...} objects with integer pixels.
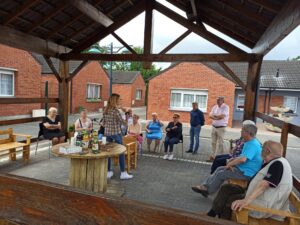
[{"x": 11, "y": 145}]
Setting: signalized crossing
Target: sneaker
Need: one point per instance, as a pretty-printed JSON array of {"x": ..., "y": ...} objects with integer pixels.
[
  {"x": 170, "y": 157},
  {"x": 195, "y": 153},
  {"x": 110, "y": 174},
  {"x": 125, "y": 176},
  {"x": 189, "y": 151},
  {"x": 166, "y": 156}
]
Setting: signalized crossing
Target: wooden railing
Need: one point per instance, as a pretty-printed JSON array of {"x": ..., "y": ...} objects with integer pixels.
[
  {"x": 286, "y": 129},
  {"x": 28, "y": 201}
]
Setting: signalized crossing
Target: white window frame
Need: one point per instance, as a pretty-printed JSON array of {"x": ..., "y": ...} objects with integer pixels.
[
  {"x": 87, "y": 90},
  {"x": 295, "y": 97},
  {"x": 237, "y": 102},
  {"x": 191, "y": 92},
  {"x": 138, "y": 90},
  {"x": 12, "y": 73}
]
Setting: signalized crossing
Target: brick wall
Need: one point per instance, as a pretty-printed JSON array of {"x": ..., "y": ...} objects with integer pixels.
[
  {"x": 27, "y": 79},
  {"x": 91, "y": 73},
  {"x": 275, "y": 101},
  {"x": 125, "y": 91},
  {"x": 189, "y": 76},
  {"x": 139, "y": 84}
]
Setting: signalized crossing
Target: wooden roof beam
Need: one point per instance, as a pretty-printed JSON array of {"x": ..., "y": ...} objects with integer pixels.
[
  {"x": 27, "y": 42},
  {"x": 287, "y": 20},
  {"x": 175, "y": 42},
  {"x": 120, "y": 21},
  {"x": 18, "y": 11},
  {"x": 52, "y": 67},
  {"x": 162, "y": 57},
  {"x": 92, "y": 12},
  {"x": 269, "y": 5},
  {"x": 47, "y": 17},
  {"x": 195, "y": 7},
  {"x": 76, "y": 71},
  {"x": 123, "y": 43},
  {"x": 233, "y": 75},
  {"x": 148, "y": 31},
  {"x": 198, "y": 30}
]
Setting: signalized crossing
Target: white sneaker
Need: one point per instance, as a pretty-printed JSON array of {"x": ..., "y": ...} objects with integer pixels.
[
  {"x": 125, "y": 176},
  {"x": 110, "y": 174},
  {"x": 170, "y": 157},
  {"x": 166, "y": 156}
]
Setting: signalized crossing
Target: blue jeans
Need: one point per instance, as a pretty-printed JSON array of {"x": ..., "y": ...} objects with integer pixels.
[
  {"x": 220, "y": 160},
  {"x": 118, "y": 139},
  {"x": 194, "y": 134},
  {"x": 170, "y": 142}
]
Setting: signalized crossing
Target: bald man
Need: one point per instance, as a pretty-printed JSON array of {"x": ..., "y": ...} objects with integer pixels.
[{"x": 269, "y": 188}]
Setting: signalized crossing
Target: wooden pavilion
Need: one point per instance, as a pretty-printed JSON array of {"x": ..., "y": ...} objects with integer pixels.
[{"x": 64, "y": 29}]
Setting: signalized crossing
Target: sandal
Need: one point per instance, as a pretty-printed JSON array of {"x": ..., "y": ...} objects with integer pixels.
[{"x": 201, "y": 191}]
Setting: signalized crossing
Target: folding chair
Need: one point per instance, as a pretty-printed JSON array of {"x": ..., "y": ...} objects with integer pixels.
[{"x": 41, "y": 136}]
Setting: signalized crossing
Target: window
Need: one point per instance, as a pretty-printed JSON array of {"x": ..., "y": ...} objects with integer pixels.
[
  {"x": 6, "y": 83},
  {"x": 138, "y": 94},
  {"x": 183, "y": 99},
  {"x": 291, "y": 102},
  {"x": 240, "y": 102},
  {"x": 93, "y": 91}
]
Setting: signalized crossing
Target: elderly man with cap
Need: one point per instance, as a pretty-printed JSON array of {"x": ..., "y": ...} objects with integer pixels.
[{"x": 219, "y": 115}]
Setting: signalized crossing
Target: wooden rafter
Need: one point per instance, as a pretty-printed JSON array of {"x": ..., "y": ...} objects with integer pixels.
[
  {"x": 175, "y": 42},
  {"x": 76, "y": 71},
  {"x": 52, "y": 67},
  {"x": 18, "y": 11},
  {"x": 198, "y": 30},
  {"x": 269, "y": 5},
  {"x": 123, "y": 19},
  {"x": 162, "y": 57},
  {"x": 195, "y": 7},
  {"x": 27, "y": 42},
  {"x": 148, "y": 31},
  {"x": 92, "y": 12},
  {"x": 115, "y": 7},
  {"x": 241, "y": 9},
  {"x": 287, "y": 20},
  {"x": 123, "y": 43},
  {"x": 233, "y": 75},
  {"x": 48, "y": 16}
]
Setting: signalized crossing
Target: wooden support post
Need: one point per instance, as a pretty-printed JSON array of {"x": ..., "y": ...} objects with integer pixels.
[
  {"x": 284, "y": 137},
  {"x": 252, "y": 89},
  {"x": 148, "y": 32},
  {"x": 64, "y": 94}
]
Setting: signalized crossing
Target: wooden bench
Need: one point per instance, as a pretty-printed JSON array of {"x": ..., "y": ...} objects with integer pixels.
[
  {"x": 10, "y": 147},
  {"x": 243, "y": 217}
]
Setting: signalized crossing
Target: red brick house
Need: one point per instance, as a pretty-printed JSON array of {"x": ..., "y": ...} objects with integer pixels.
[
  {"x": 23, "y": 75},
  {"x": 174, "y": 90},
  {"x": 131, "y": 86}
]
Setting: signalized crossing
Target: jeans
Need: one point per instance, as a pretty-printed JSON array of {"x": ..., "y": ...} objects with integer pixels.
[
  {"x": 170, "y": 142},
  {"x": 214, "y": 181},
  {"x": 222, "y": 203},
  {"x": 118, "y": 139},
  {"x": 194, "y": 134},
  {"x": 220, "y": 160}
]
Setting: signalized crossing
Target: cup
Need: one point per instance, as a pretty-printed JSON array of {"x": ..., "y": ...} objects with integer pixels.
[
  {"x": 104, "y": 140},
  {"x": 72, "y": 141}
]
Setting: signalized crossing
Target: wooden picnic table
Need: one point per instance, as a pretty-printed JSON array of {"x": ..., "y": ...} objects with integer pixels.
[{"x": 89, "y": 171}]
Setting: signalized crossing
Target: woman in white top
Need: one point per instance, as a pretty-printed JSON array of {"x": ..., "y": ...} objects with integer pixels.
[{"x": 83, "y": 123}]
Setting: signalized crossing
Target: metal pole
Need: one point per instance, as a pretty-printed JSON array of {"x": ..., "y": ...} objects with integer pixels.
[
  {"x": 46, "y": 96},
  {"x": 110, "y": 71}
]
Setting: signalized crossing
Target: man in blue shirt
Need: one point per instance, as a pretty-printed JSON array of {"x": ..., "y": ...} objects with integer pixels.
[
  {"x": 243, "y": 167},
  {"x": 197, "y": 120}
]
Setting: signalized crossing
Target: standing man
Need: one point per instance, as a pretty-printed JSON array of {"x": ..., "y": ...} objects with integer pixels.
[
  {"x": 219, "y": 114},
  {"x": 197, "y": 121}
]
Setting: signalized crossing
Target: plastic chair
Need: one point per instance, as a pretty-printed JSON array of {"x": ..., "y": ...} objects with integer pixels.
[{"x": 41, "y": 136}]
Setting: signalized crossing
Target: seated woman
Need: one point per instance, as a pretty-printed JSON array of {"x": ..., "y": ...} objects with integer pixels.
[
  {"x": 83, "y": 123},
  {"x": 52, "y": 127},
  {"x": 135, "y": 129},
  {"x": 221, "y": 160},
  {"x": 153, "y": 131},
  {"x": 174, "y": 133}
]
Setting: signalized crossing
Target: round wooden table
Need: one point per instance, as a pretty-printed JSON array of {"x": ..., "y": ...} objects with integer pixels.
[{"x": 89, "y": 171}]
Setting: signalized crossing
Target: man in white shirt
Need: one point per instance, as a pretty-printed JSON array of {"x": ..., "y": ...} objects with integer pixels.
[{"x": 219, "y": 114}]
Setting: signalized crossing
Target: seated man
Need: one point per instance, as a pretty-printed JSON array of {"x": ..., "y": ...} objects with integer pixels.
[
  {"x": 221, "y": 160},
  {"x": 243, "y": 167},
  {"x": 174, "y": 133},
  {"x": 270, "y": 187}
]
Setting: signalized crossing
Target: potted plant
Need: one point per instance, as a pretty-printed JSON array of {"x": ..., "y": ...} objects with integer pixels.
[{"x": 71, "y": 131}]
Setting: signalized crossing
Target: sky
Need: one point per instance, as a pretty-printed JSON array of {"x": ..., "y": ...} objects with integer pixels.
[{"x": 166, "y": 31}]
